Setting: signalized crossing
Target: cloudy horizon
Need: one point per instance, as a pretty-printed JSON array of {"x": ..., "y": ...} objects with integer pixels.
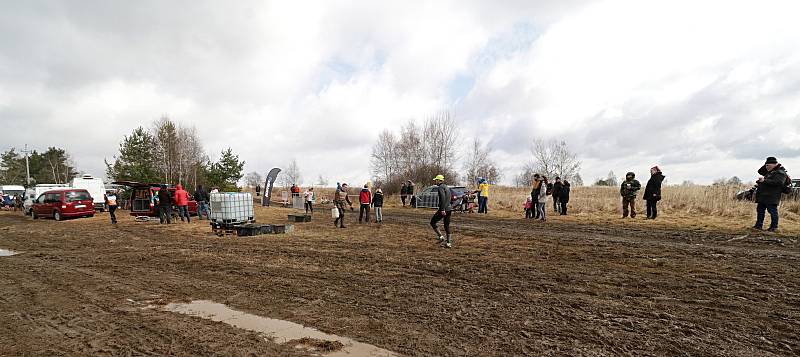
[{"x": 703, "y": 89}]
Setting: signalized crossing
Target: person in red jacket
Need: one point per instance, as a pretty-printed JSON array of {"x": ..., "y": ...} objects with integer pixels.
[
  {"x": 182, "y": 201},
  {"x": 365, "y": 198}
]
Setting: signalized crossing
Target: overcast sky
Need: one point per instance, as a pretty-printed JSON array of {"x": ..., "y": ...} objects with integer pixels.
[{"x": 705, "y": 89}]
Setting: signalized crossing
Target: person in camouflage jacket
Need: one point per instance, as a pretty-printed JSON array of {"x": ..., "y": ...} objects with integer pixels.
[{"x": 628, "y": 191}]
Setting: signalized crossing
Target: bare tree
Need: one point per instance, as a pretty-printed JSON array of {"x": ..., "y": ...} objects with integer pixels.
[
  {"x": 179, "y": 152},
  {"x": 440, "y": 137},
  {"x": 291, "y": 175},
  {"x": 322, "y": 181},
  {"x": 384, "y": 160},
  {"x": 479, "y": 164},
  {"x": 554, "y": 159},
  {"x": 253, "y": 179}
]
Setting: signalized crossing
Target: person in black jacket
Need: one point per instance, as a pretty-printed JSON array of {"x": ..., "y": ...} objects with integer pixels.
[
  {"x": 377, "y": 202},
  {"x": 202, "y": 198},
  {"x": 164, "y": 205},
  {"x": 652, "y": 192},
  {"x": 564, "y": 198},
  {"x": 771, "y": 185},
  {"x": 403, "y": 193},
  {"x": 557, "y": 187},
  {"x": 444, "y": 211}
]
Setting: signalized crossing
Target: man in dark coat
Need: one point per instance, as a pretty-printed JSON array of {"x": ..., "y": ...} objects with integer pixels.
[
  {"x": 164, "y": 205},
  {"x": 771, "y": 186},
  {"x": 557, "y": 187},
  {"x": 564, "y": 198},
  {"x": 652, "y": 192},
  {"x": 443, "y": 212},
  {"x": 403, "y": 193}
]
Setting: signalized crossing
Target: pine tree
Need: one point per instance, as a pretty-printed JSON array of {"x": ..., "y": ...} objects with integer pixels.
[
  {"x": 226, "y": 172},
  {"x": 136, "y": 160}
]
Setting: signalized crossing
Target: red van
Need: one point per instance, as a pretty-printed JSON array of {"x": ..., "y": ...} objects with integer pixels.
[
  {"x": 61, "y": 204},
  {"x": 142, "y": 200}
]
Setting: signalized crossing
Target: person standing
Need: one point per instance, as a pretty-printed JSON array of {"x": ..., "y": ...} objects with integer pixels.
[
  {"x": 111, "y": 203},
  {"x": 541, "y": 203},
  {"x": 444, "y": 211},
  {"x": 365, "y": 198},
  {"x": 403, "y": 193},
  {"x": 164, "y": 205},
  {"x": 182, "y": 201},
  {"x": 771, "y": 185},
  {"x": 652, "y": 192},
  {"x": 309, "y": 198},
  {"x": 377, "y": 202},
  {"x": 536, "y": 186},
  {"x": 628, "y": 191},
  {"x": 483, "y": 196},
  {"x": 557, "y": 187},
  {"x": 339, "y": 200},
  {"x": 202, "y": 198},
  {"x": 564, "y": 199},
  {"x": 258, "y": 190},
  {"x": 410, "y": 193}
]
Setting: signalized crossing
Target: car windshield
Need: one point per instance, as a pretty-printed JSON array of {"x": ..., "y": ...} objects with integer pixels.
[{"x": 73, "y": 196}]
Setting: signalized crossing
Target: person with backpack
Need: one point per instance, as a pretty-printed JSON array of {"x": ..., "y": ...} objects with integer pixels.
[
  {"x": 652, "y": 192},
  {"x": 628, "y": 190},
  {"x": 443, "y": 212},
  {"x": 377, "y": 202},
  {"x": 772, "y": 184},
  {"x": 339, "y": 200}
]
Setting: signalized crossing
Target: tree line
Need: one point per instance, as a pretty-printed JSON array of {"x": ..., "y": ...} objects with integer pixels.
[
  {"x": 171, "y": 153},
  {"x": 51, "y": 166}
]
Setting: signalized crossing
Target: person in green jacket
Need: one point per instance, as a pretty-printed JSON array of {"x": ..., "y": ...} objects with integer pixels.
[{"x": 628, "y": 191}]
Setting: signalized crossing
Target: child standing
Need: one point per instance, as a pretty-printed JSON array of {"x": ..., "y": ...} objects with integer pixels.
[
  {"x": 528, "y": 208},
  {"x": 377, "y": 202}
]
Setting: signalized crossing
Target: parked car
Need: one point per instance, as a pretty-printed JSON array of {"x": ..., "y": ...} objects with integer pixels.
[
  {"x": 64, "y": 203},
  {"x": 32, "y": 193},
  {"x": 428, "y": 198},
  {"x": 95, "y": 187},
  {"x": 142, "y": 200}
]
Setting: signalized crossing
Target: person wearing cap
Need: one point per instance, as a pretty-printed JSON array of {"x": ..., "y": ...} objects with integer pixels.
[
  {"x": 339, "y": 200},
  {"x": 771, "y": 186},
  {"x": 628, "y": 191},
  {"x": 377, "y": 202},
  {"x": 652, "y": 192},
  {"x": 483, "y": 196},
  {"x": 443, "y": 212}
]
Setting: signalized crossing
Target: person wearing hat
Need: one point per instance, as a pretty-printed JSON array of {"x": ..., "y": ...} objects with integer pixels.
[
  {"x": 771, "y": 185},
  {"x": 652, "y": 192},
  {"x": 443, "y": 212},
  {"x": 628, "y": 191},
  {"x": 377, "y": 202},
  {"x": 339, "y": 200}
]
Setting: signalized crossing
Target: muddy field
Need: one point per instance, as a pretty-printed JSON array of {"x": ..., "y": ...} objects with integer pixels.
[{"x": 508, "y": 287}]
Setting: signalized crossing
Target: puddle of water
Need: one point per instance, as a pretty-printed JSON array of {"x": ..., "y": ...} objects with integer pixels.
[
  {"x": 7, "y": 253},
  {"x": 280, "y": 331}
]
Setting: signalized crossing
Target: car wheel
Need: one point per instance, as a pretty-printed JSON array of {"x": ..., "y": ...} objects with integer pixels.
[
  {"x": 57, "y": 215},
  {"x": 34, "y": 215}
]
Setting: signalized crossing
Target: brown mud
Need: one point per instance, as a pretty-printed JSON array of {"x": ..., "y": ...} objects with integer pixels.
[{"x": 508, "y": 287}]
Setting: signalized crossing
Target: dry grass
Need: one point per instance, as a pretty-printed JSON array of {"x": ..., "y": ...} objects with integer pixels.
[{"x": 704, "y": 207}]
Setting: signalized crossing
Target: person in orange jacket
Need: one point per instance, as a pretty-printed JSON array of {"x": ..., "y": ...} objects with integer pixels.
[{"x": 182, "y": 201}]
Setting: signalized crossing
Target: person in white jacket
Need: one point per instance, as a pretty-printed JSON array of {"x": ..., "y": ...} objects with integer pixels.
[{"x": 541, "y": 205}]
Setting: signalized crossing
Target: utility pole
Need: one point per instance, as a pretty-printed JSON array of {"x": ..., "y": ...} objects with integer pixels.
[{"x": 27, "y": 166}]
